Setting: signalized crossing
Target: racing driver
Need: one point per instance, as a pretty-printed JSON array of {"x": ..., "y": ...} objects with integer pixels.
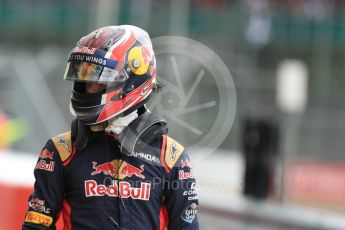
[{"x": 116, "y": 168}]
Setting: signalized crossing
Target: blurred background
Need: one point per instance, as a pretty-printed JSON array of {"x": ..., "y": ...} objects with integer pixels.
[{"x": 282, "y": 165}]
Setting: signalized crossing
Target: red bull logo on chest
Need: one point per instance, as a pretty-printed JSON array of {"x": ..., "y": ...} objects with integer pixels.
[
  {"x": 106, "y": 168},
  {"x": 130, "y": 170},
  {"x": 121, "y": 189},
  {"x": 118, "y": 169}
]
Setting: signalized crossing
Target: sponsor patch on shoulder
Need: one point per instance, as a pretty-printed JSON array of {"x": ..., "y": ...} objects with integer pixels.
[
  {"x": 173, "y": 152},
  {"x": 63, "y": 144}
]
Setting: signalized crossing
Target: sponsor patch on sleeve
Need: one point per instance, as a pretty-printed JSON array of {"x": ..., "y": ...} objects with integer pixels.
[
  {"x": 38, "y": 205},
  {"x": 189, "y": 214},
  {"x": 45, "y": 161},
  {"x": 44, "y": 165},
  {"x": 38, "y": 218},
  {"x": 191, "y": 192}
]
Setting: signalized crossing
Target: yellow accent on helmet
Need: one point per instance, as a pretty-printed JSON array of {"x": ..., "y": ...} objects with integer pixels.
[{"x": 137, "y": 62}]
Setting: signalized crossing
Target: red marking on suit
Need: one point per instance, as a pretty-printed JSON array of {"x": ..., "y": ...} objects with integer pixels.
[
  {"x": 130, "y": 170},
  {"x": 105, "y": 168}
]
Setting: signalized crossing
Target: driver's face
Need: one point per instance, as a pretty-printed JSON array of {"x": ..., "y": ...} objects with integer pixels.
[{"x": 94, "y": 87}]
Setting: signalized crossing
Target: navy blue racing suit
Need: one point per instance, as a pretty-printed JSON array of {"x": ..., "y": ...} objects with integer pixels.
[{"x": 98, "y": 187}]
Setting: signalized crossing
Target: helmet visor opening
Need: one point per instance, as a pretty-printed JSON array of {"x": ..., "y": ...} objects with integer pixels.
[{"x": 90, "y": 72}]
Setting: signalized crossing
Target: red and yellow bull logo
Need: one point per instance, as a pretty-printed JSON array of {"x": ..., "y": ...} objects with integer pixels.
[
  {"x": 118, "y": 169},
  {"x": 129, "y": 170},
  {"x": 107, "y": 169},
  {"x": 45, "y": 154}
]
